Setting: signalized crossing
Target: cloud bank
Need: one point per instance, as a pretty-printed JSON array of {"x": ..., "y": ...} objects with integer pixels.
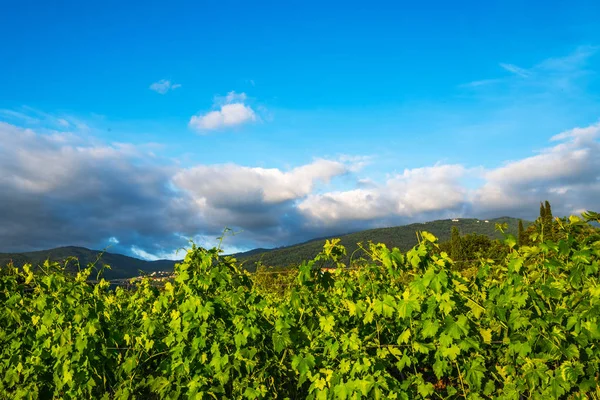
[{"x": 62, "y": 189}]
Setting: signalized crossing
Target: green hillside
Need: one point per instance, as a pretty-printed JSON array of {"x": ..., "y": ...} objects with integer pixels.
[
  {"x": 403, "y": 237},
  {"x": 121, "y": 266}
]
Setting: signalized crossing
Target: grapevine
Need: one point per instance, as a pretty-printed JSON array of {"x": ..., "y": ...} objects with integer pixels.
[{"x": 393, "y": 325}]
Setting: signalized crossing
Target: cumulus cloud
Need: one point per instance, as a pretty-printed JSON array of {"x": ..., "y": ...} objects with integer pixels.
[
  {"x": 231, "y": 111},
  {"x": 260, "y": 201},
  {"x": 61, "y": 189},
  {"x": 228, "y": 115},
  {"x": 230, "y": 184},
  {"x": 163, "y": 86},
  {"x": 413, "y": 193},
  {"x": 58, "y": 190},
  {"x": 567, "y": 174}
]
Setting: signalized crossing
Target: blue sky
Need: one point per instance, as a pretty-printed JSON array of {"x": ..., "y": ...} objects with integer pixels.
[{"x": 386, "y": 102}]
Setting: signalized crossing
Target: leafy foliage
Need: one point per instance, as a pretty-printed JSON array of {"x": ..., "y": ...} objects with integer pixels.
[
  {"x": 456, "y": 251},
  {"x": 521, "y": 235},
  {"x": 123, "y": 267},
  {"x": 403, "y": 237},
  {"x": 547, "y": 227},
  {"x": 472, "y": 248},
  {"x": 396, "y": 325}
]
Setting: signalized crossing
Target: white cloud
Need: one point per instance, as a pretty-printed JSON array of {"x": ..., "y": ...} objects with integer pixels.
[
  {"x": 579, "y": 135},
  {"x": 161, "y": 255},
  {"x": 552, "y": 75},
  {"x": 260, "y": 201},
  {"x": 232, "y": 111},
  {"x": 479, "y": 83},
  {"x": 224, "y": 185},
  {"x": 567, "y": 174},
  {"x": 233, "y": 97},
  {"x": 18, "y": 116},
  {"x": 575, "y": 158},
  {"x": 43, "y": 121},
  {"x": 163, "y": 86},
  {"x": 515, "y": 70},
  {"x": 335, "y": 207},
  {"x": 62, "y": 189},
  {"x": 568, "y": 170},
  {"x": 414, "y": 192},
  {"x": 228, "y": 115},
  {"x": 83, "y": 191},
  {"x": 356, "y": 162}
]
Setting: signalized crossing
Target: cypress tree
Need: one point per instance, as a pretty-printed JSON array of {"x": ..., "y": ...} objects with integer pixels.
[
  {"x": 456, "y": 247},
  {"x": 521, "y": 233},
  {"x": 547, "y": 212},
  {"x": 542, "y": 212},
  {"x": 548, "y": 221},
  {"x": 540, "y": 221}
]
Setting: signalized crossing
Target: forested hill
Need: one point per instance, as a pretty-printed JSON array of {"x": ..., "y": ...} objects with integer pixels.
[
  {"x": 121, "y": 266},
  {"x": 403, "y": 237}
]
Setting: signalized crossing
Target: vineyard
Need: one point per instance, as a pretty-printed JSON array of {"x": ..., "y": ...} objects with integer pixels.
[{"x": 392, "y": 325}]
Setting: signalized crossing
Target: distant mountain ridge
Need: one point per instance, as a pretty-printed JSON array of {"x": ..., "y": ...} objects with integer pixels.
[
  {"x": 404, "y": 237},
  {"x": 121, "y": 266}
]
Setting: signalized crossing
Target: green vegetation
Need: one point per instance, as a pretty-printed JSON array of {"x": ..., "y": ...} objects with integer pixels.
[
  {"x": 455, "y": 244},
  {"x": 120, "y": 266},
  {"x": 394, "y": 325},
  {"x": 403, "y": 237},
  {"x": 546, "y": 227},
  {"x": 521, "y": 238},
  {"x": 467, "y": 251}
]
